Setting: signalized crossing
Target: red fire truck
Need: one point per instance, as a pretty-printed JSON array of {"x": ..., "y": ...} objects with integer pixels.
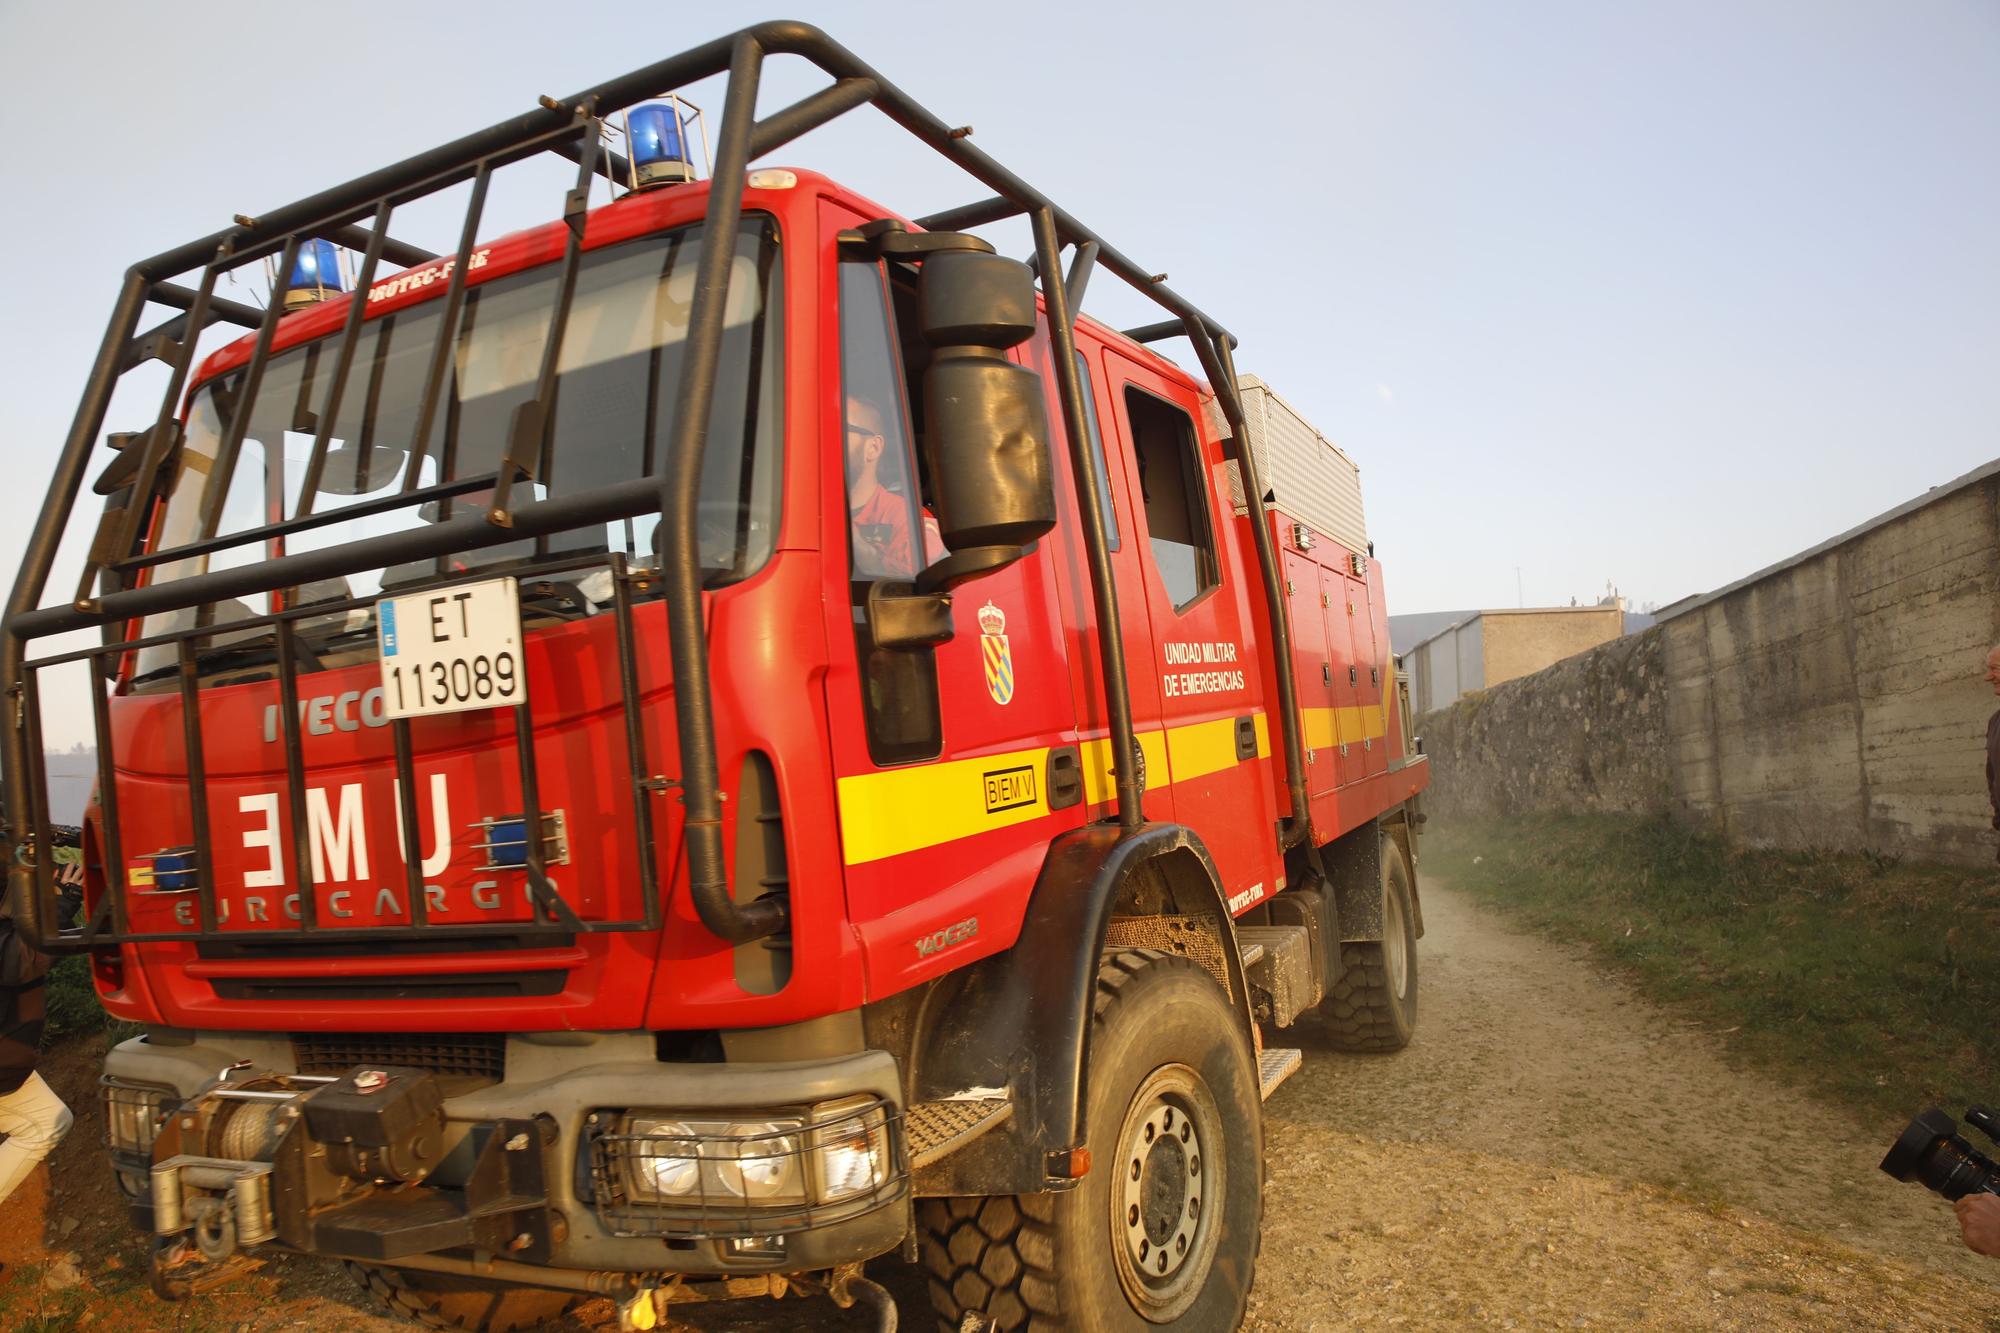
[{"x": 671, "y": 753}]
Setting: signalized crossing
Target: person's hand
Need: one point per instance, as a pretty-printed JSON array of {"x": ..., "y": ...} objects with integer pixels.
[{"x": 1979, "y": 1222}]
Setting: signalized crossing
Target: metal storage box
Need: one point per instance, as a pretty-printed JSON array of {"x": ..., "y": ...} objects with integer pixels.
[{"x": 1310, "y": 478}]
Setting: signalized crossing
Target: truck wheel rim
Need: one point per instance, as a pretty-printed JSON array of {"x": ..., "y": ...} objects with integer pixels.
[
  {"x": 1395, "y": 950},
  {"x": 1167, "y": 1194}
]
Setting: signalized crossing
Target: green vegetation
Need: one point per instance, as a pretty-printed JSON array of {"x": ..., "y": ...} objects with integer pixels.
[
  {"x": 1870, "y": 980},
  {"x": 72, "y": 1001}
]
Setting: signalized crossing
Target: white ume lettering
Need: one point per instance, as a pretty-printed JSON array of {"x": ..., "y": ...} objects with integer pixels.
[{"x": 336, "y": 833}]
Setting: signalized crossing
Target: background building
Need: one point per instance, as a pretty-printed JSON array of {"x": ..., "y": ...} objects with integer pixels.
[{"x": 1488, "y": 647}]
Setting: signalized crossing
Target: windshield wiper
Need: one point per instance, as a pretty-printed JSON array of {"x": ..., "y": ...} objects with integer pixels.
[{"x": 232, "y": 656}]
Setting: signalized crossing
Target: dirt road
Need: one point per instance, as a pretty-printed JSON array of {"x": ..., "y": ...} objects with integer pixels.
[{"x": 1550, "y": 1152}]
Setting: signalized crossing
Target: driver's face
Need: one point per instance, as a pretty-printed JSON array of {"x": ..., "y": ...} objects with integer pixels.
[{"x": 864, "y": 434}]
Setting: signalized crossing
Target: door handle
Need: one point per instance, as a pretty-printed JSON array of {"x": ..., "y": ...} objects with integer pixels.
[
  {"x": 1353, "y": 675},
  {"x": 1246, "y": 737},
  {"x": 1065, "y": 777}
]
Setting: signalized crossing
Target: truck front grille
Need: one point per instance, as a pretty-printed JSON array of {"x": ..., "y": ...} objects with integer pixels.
[{"x": 469, "y": 1055}]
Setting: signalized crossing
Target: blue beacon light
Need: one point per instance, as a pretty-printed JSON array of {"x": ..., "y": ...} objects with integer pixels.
[
  {"x": 659, "y": 147},
  {"x": 315, "y": 274}
]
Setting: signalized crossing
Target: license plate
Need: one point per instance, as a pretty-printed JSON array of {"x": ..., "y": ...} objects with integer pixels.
[{"x": 453, "y": 650}]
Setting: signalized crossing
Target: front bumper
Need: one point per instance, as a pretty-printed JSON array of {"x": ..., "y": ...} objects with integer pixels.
[{"x": 566, "y": 1088}]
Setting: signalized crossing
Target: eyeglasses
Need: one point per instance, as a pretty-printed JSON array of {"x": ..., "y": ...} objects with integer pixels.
[{"x": 865, "y": 432}]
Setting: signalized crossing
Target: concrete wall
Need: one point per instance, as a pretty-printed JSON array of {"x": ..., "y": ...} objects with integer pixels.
[
  {"x": 1838, "y": 703},
  {"x": 1833, "y": 701},
  {"x": 1521, "y": 642}
]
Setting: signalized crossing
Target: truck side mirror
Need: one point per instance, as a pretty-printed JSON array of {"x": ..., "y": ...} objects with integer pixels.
[{"x": 987, "y": 440}]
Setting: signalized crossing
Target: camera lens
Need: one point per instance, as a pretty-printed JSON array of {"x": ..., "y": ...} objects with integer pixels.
[{"x": 1931, "y": 1153}]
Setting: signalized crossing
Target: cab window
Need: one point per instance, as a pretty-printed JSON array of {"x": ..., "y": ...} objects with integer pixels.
[
  {"x": 1183, "y": 544},
  {"x": 890, "y": 536}
]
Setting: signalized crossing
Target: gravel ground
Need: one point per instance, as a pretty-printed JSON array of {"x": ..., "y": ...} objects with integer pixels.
[{"x": 1551, "y": 1152}]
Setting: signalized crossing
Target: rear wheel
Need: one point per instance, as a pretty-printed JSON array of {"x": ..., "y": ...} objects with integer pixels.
[
  {"x": 1164, "y": 1230},
  {"x": 1374, "y": 1006},
  {"x": 442, "y": 1301}
]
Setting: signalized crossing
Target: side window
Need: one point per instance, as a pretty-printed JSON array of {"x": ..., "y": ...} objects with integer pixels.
[
  {"x": 1097, "y": 447},
  {"x": 1176, "y": 507},
  {"x": 889, "y": 534}
]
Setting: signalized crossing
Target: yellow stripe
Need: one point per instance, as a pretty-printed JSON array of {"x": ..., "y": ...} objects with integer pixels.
[
  {"x": 1201, "y": 748},
  {"x": 1099, "y": 784},
  {"x": 900, "y": 810},
  {"x": 1327, "y": 727},
  {"x": 903, "y": 809}
]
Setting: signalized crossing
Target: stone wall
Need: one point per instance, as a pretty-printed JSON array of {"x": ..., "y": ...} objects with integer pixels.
[
  {"x": 1589, "y": 733},
  {"x": 1833, "y": 701}
]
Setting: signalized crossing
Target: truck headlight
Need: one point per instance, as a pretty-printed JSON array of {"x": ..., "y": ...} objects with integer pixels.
[
  {"x": 133, "y": 1112},
  {"x": 761, "y": 1161},
  {"x": 850, "y": 1147},
  {"x": 663, "y": 1162},
  {"x": 668, "y": 1158}
]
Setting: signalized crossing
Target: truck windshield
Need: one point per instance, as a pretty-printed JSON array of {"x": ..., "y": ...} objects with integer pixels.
[{"x": 619, "y": 370}]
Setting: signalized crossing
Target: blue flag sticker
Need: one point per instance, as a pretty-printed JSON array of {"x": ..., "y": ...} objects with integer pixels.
[{"x": 386, "y": 613}]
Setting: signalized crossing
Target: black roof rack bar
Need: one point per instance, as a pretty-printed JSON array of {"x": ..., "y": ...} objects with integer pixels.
[
  {"x": 108, "y": 828},
  {"x": 197, "y": 780},
  {"x": 343, "y": 361},
  {"x": 447, "y": 335},
  {"x": 1078, "y": 280},
  {"x": 1152, "y": 333},
  {"x": 410, "y": 832},
  {"x": 810, "y": 113},
  {"x": 532, "y": 431},
  {"x": 290, "y": 727},
  {"x": 463, "y": 532},
  {"x": 679, "y": 486},
  {"x": 361, "y": 238},
  {"x": 181, "y": 298},
  {"x": 307, "y": 522},
  {"x": 1088, "y": 470},
  {"x": 253, "y": 380},
  {"x": 971, "y": 215}
]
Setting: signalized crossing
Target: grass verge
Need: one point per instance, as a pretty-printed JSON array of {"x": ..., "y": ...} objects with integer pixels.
[{"x": 1869, "y": 980}]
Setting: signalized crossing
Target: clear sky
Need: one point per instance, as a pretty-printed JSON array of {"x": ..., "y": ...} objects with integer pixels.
[{"x": 1650, "y": 293}]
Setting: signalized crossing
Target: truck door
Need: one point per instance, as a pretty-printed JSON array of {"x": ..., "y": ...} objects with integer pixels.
[
  {"x": 940, "y": 754},
  {"x": 1079, "y": 610},
  {"x": 1195, "y": 579}
]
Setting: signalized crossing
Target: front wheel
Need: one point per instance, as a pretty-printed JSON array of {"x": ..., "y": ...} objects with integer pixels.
[{"x": 1163, "y": 1232}]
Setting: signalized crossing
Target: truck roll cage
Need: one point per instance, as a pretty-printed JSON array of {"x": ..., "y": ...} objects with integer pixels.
[{"x": 570, "y": 128}]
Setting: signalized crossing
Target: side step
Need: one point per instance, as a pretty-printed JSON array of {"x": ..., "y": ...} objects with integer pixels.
[
  {"x": 1276, "y": 1064},
  {"x": 936, "y": 1130}
]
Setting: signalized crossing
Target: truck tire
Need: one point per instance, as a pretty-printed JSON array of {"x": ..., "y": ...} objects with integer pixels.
[
  {"x": 1164, "y": 1230},
  {"x": 1374, "y": 1006},
  {"x": 441, "y": 1301}
]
